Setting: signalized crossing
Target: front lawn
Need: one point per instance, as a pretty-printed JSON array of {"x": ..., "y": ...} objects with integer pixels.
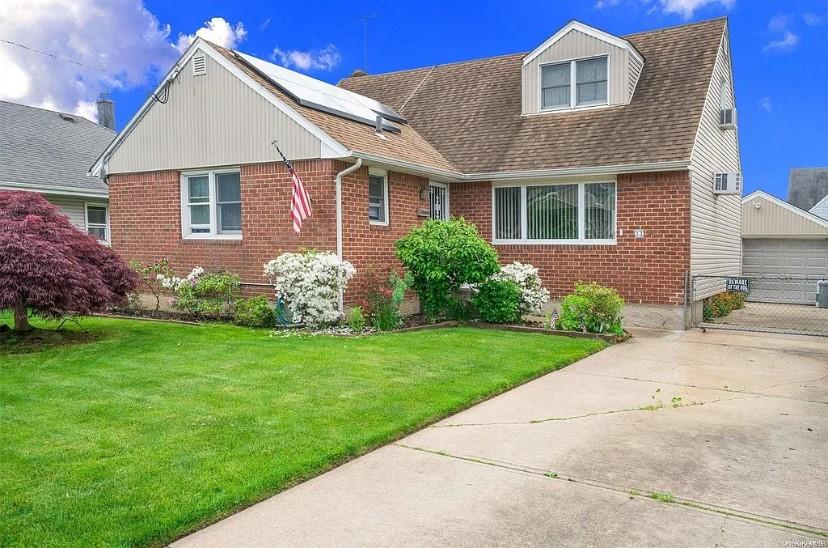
[{"x": 153, "y": 429}]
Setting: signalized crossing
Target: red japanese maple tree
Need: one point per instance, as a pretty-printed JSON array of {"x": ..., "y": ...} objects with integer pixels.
[{"x": 52, "y": 268}]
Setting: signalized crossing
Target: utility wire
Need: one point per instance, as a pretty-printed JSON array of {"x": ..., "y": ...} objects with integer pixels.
[{"x": 53, "y": 56}]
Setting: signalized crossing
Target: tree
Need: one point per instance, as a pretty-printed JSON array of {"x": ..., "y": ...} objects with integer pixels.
[
  {"x": 49, "y": 267},
  {"x": 440, "y": 256}
]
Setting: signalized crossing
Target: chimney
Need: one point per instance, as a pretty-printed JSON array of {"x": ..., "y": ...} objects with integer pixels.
[{"x": 106, "y": 112}]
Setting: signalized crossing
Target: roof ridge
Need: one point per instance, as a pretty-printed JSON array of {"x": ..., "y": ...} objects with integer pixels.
[
  {"x": 41, "y": 108},
  {"x": 674, "y": 27},
  {"x": 524, "y": 53},
  {"x": 58, "y": 112},
  {"x": 438, "y": 65}
]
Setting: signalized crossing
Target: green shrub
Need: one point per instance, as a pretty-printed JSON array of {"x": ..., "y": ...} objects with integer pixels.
[
  {"x": 592, "y": 308},
  {"x": 461, "y": 310},
  {"x": 723, "y": 304},
  {"x": 254, "y": 312},
  {"x": 498, "y": 301},
  {"x": 385, "y": 300},
  {"x": 211, "y": 294},
  {"x": 356, "y": 321},
  {"x": 440, "y": 256}
]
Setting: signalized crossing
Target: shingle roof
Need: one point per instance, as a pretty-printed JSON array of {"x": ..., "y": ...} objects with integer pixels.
[
  {"x": 471, "y": 111},
  {"x": 41, "y": 147},
  {"x": 407, "y": 145}
]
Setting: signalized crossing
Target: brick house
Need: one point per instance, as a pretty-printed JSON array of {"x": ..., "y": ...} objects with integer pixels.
[{"x": 593, "y": 157}]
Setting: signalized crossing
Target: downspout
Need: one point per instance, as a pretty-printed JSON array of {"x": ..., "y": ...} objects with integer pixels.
[{"x": 338, "y": 180}]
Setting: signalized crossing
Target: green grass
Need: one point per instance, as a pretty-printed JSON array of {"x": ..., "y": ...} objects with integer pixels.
[{"x": 152, "y": 430}]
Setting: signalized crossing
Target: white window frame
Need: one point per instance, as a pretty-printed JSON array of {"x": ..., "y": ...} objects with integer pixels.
[
  {"x": 214, "y": 234},
  {"x": 86, "y": 206},
  {"x": 384, "y": 174},
  {"x": 573, "y": 86},
  {"x": 524, "y": 221},
  {"x": 448, "y": 197}
]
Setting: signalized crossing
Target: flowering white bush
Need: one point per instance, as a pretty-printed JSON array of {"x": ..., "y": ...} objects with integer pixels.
[
  {"x": 532, "y": 294},
  {"x": 173, "y": 283},
  {"x": 310, "y": 283}
]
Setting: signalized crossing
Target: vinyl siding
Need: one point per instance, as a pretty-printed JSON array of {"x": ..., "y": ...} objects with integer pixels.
[
  {"x": 821, "y": 209},
  {"x": 577, "y": 45},
  {"x": 771, "y": 220},
  {"x": 74, "y": 207},
  {"x": 210, "y": 120},
  {"x": 715, "y": 223}
]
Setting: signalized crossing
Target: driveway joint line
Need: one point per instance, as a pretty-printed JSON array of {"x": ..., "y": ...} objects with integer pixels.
[{"x": 765, "y": 521}]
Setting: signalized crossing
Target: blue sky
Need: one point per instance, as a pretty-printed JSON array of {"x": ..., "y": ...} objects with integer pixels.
[{"x": 780, "y": 51}]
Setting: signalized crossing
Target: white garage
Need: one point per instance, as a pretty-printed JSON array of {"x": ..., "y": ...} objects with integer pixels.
[{"x": 784, "y": 250}]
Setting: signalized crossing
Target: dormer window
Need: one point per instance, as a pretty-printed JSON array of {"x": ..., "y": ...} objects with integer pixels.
[
  {"x": 579, "y": 67},
  {"x": 589, "y": 75}
]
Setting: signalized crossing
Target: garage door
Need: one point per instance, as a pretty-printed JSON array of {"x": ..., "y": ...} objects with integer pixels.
[{"x": 785, "y": 271}]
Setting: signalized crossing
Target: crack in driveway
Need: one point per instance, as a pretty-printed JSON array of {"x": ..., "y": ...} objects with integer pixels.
[
  {"x": 645, "y": 408},
  {"x": 730, "y": 390},
  {"x": 725, "y": 511}
]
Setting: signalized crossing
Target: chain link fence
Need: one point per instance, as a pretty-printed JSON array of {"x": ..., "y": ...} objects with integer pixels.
[{"x": 773, "y": 304}]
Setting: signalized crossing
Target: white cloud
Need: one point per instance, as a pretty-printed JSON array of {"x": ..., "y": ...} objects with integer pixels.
[
  {"x": 216, "y": 30},
  {"x": 119, "y": 43},
  {"x": 326, "y": 58},
  {"x": 765, "y": 104},
  {"x": 787, "y": 42},
  {"x": 779, "y": 23},
  {"x": 686, "y": 8},
  {"x": 812, "y": 19}
]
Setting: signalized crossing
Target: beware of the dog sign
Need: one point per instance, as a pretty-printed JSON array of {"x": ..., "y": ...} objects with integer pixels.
[{"x": 738, "y": 284}]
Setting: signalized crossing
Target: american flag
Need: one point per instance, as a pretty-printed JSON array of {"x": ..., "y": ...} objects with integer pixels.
[{"x": 300, "y": 205}]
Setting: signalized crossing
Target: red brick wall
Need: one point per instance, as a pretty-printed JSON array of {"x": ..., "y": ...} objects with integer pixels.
[
  {"x": 650, "y": 270},
  {"x": 369, "y": 247},
  {"x": 145, "y": 213},
  {"x": 146, "y": 225}
]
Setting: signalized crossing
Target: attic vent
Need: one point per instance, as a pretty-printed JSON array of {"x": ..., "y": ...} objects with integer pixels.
[
  {"x": 66, "y": 117},
  {"x": 199, "y": 65}
]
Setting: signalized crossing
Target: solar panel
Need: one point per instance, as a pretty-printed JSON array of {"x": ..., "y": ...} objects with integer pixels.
[{"x": 319, "y": 95}]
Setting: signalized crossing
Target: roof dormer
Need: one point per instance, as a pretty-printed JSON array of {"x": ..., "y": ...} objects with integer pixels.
[{"x": 579, "y": 67}]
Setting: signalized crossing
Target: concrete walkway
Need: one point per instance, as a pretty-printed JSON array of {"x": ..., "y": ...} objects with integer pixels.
[{"x": 730, "y": 429}]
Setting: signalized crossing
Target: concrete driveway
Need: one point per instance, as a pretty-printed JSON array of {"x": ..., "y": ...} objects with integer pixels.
[{"x": 729, "y": 430}]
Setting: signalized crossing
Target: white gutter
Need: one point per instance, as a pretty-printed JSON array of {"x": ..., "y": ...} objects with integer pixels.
[
  {"x": 55, "y": 190},
  {"x": 455, "y": 176},
  {"x": 578, "y": 171},
  {"x": 338, "y": 181}
]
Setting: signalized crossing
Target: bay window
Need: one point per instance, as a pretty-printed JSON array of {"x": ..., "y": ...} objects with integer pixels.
[
  {"x": 211, "y": 204},
  {"x": 578, "y": 213},
  {"x": 572, "y": 84}
]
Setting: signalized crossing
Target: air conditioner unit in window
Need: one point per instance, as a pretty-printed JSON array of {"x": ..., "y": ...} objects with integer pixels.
[
  {"x": 727, "y": 118},
  {"x": 727, "y": 183}
]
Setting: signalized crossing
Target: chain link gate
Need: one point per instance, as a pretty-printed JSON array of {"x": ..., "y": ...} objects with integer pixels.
[{"x": 771, "y": 304}]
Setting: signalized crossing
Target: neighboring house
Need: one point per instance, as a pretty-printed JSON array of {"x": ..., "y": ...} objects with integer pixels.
[
  {"x": 821, "y": 208},
  {"x": 807, "y": 187},
  {"x": 783, "y": 241},
  {"x": 50, "y": 152},
  {"x": 593, "y": 157}
]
